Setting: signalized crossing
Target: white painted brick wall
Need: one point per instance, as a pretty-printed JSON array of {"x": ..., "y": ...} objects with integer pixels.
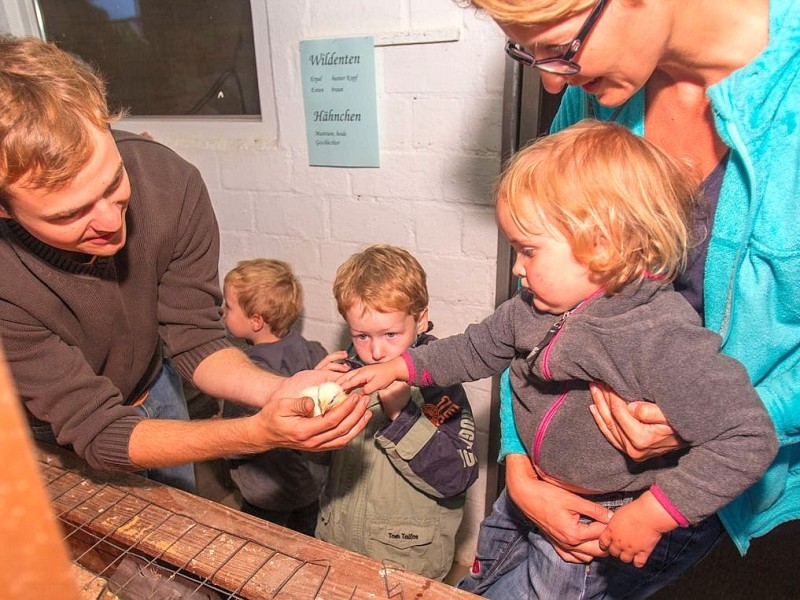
[{"x": 439, "y": 107}]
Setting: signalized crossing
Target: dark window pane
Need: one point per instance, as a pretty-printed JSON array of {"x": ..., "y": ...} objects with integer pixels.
[{"x": 164, "y": 57}]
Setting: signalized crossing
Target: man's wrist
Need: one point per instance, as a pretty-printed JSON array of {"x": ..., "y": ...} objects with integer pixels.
[
  {"x": 272, "y": 382},
  {"x": 253, "y": 435}
]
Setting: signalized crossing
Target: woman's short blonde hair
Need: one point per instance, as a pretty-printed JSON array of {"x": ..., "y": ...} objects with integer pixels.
[
  {"x": 268, "y": 287},
  {"x": 48, "y": 101},
  {"x": 624, "y": 206},
  {"x": 383, "y": 278},
  {"x": 530, "y": 12}
]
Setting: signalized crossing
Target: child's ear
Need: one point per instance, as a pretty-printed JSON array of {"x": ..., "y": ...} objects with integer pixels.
[
  {"x": 604, "y": 254},
  {"x": 602, "y": 247},
  {"x": 257, "y": 323},
  {"x": 422, "y": 321}
]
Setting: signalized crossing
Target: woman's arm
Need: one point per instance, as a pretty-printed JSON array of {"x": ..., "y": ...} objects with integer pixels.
[{"x": 557, "y": 512}]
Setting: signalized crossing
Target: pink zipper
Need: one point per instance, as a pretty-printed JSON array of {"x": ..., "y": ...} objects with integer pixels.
[{"x": 542, "y": 429}]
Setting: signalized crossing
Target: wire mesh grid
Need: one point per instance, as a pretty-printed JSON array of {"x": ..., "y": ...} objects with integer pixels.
[{"x": 148, "y": 551}]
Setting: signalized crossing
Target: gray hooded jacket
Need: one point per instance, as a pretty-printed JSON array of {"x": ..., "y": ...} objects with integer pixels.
[{"x": 645, "y": 343}]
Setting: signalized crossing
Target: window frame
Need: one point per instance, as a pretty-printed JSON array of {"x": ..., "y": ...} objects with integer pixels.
[{"x": 22, "y": 17}]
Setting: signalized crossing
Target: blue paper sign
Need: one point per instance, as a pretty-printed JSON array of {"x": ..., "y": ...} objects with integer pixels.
[{"x": 340, "y": 102}]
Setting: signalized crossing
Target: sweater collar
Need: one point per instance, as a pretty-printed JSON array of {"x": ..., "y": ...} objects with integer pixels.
[{"x": 64, "y": 261}]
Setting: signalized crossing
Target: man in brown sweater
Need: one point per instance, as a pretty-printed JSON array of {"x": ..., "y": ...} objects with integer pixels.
[{"x": 109, "y": 248}]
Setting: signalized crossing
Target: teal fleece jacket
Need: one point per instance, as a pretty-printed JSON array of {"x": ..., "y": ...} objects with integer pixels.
[{"x": 752, "y": 274}]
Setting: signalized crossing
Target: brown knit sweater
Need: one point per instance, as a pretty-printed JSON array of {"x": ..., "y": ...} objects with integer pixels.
[{"x": 83, "y": 341}]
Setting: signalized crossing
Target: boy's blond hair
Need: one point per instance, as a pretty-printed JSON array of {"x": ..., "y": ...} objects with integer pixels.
[
  {"x": 50, "y": 99},
  {"x": 268, "y": 287},
  {"x": 624, "y": 206},
  {"x": 383, "y": 278}
]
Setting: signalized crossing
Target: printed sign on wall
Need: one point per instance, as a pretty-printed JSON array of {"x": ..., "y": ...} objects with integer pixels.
[{"x": 340, "y": 102}]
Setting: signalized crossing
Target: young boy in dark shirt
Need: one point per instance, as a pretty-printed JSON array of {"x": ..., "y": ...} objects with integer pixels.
[{"x": 263, "y": 300}]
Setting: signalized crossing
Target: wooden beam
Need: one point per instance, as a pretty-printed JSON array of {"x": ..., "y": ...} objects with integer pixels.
[{"x": 113, "y": 515}]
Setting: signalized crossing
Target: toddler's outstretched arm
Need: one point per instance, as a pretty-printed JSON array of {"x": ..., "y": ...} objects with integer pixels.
[
  {"x": 635, "y": 529},
  {"x": 375, "y": 377}
]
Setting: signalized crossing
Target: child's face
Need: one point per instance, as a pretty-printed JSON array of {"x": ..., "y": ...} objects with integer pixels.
[
  {"x": 546, "y": 265},
  {"x": 236, "y": 322},
  {"x": 381, "y": 336}
]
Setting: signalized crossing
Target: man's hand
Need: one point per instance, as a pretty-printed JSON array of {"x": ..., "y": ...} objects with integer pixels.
[
  {"x": 375, "y": 377},
  {"x": 557, "y": 512},
  {"x": 287, "y": 422},
  {"x": 283, "y": 421},
  {"x": 639, "y": 429},
  {"x": 292, "y": 387}
]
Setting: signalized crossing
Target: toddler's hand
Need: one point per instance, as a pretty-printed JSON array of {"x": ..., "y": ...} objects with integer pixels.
[
  {"x": 332, "y": 362},
  {"x": 635, "y": 529},
  {"x": 375, "y": 377}
]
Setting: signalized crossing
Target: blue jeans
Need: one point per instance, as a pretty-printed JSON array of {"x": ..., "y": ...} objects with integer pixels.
[
  {"x": 165, "y": 400},
  {"x": 514, "y": 561}
]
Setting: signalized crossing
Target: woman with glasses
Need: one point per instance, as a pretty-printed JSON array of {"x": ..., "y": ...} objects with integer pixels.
[{"x": 715, "y": 83}]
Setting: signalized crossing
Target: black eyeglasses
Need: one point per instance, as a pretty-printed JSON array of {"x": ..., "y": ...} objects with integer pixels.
[{"x": 560, "y": 65}]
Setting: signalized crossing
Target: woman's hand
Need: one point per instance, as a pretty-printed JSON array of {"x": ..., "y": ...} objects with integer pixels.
[
  {"x": 639, "y": 429},
  {"x": 557, "y": 512}
]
